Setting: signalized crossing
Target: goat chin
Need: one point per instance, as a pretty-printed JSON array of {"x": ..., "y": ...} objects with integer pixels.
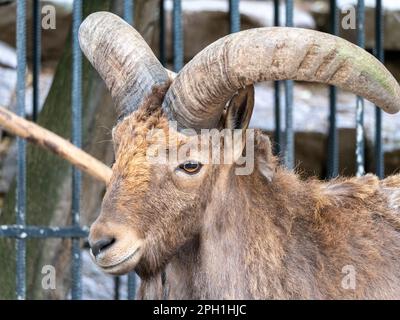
[{"x": 125, "y": 265}]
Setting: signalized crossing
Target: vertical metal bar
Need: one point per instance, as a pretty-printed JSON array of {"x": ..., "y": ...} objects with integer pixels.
[
  {"x": 162, "y": 34},
  {"x": 234, "y": 16},
  {"x": 76, "y": 140},
  {"x": 131, "y": 286},
  {"x": 128, "y": 16},
  {"x": 360, "y": 143},
  {"x": 128, "y": 11},
  {"x": 333, "y": 154},
  {"x": 289, "y": 134},
  {"x": 277, "y": 91},
  {"x": 379, "y": 52},
  {"x": 21, "y": 160},
  {"x": 177, "y": 35},
  {"x": 117, "y": 284},
  {"x": 36, "y": 57}
]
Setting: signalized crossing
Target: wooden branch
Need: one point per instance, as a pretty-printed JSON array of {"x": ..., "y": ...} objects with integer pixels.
[{"x": 54, "y": 143}]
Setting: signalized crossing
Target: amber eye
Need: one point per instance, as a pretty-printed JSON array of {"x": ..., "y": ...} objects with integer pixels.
[{"x": 190, "y": 167}]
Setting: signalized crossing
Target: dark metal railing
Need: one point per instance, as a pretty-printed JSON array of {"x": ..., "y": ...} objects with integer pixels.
[
  {"x": 277, "y": 93},
  {"x": 36, "y": 56},
  {"x": 161, "y": 43},
  {"x": 333, "y": 145},
  {"x": 128, "y": 17},
  {"x": 379, "y": 53},
  {"x": 76, "y": 98},
  {"x": 289, "y": 133},
  {"x": 21, "y": 160},
  {"x": 234, "y": 16},
  {"x": 360, "y": 143},
  {"x": 285, "y": 147},
  {"x": 177, "y": 34}
]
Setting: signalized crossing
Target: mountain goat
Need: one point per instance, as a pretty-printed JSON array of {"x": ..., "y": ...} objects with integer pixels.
[{"x": 218, "y": 234}]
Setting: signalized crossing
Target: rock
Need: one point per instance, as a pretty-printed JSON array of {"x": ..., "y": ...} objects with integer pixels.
[
  {"x": 8, "y": 57},
  {"x": 392, "y": 162},
  {"x": 392, "y": 63},
  {"x": 311, "y": 153},
  {"x": 45, "y": 81},
  {"x": 8, "y": 81},
  {"x": 8, "y": 73},
  {"x": 208, "y": 20},
  {"x": 8, "y": 165},
  {"x": 320, "y": 11},
  {"x": 53, "y": 41},
  {"x": 311, "y": 112}
]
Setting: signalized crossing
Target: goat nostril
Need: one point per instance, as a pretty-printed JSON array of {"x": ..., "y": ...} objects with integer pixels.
[{"x": 101, "y": 245}]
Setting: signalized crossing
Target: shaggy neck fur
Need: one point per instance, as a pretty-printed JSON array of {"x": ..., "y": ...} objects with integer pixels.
[
  {"x": 278, "y": 240},
  {"x": 290, "y": 239}
]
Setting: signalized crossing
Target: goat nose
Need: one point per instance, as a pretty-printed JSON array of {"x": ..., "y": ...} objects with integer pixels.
[{"x": 101, "y": 244}]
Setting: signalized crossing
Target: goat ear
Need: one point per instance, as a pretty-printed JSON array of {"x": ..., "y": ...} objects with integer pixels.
[
  {"x": 265, "y": 161},
  {"x": 240, "y": 109}
]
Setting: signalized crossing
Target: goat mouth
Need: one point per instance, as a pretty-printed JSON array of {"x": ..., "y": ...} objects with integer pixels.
[{"x": 123, "y": 266}]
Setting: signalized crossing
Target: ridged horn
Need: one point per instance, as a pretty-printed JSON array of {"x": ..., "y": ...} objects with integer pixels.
[
  {"x": 122, "y": 58},
  {"x": 198, "y": 95}
]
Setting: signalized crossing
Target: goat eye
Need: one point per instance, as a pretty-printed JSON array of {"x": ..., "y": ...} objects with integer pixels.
[{"x": 190, "y": 167}]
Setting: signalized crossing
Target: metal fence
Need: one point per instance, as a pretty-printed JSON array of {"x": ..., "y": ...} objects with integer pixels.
[{"x": 284, "y": 137}]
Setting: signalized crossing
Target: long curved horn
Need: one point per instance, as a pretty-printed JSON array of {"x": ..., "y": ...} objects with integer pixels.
[
  {"x": 198, "y": 95},
  {"x": 122, "y": 58}
]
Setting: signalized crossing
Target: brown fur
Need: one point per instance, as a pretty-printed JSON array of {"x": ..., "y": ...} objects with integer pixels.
[{"x": 268, "y": 235}]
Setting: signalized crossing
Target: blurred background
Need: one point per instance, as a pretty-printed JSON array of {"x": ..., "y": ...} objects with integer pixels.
[{"x": 175, "y": 40}]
